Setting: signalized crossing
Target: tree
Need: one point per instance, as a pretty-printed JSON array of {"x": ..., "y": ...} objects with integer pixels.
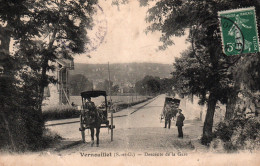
[
  {"x": 8, "y": 94},
  {"x": 105, "y": 86},
  {"x": 59, "y": 31},
  {"x": 247, "y": 74},
  {"x": 115, "y": 89},
  {"x": 79, "y": 83},
  {"x": 153, "y": 86},
  {"x": 166, "y": 85},
  {"x": 43, "y": 31},
  {"x": 18, "y": 130},
  {"x": 148, "y": 85},
  {"x": 140, "y": 88},
  {"x": 108, "y": 85},
  {"x": 100, "y": 86},
  {"x": 193, "y": 78},
  {"x": 172, "y": 18}
]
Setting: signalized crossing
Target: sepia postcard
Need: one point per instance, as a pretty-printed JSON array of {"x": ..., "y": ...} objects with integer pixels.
[{"x": 129, "y": 82}]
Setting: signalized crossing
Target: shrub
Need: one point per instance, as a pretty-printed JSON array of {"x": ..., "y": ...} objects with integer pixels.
[
  {"x": 239, "y": 133},
  {"x": 183, "y": 144},
  {"x": 48, "y": 138},
  {"x": 60, "y": 112},
  {"x": 22, "y": 129}
]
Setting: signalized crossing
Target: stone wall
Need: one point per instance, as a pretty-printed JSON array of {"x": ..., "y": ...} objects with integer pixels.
[{"x": 53, "y": 100}]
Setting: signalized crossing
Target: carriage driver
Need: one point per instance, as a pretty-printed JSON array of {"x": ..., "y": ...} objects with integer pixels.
[
  {"x": 94, "y": 111},
  {"x": 90, "y": 105}
]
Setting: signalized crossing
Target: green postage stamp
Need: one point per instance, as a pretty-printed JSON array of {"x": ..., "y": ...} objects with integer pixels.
[{"x": 239, "y": 31}]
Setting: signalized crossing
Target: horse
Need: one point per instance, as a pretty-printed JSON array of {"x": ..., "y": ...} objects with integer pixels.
[
  {"x": 169, "y": 112},
  {"x": 93, "y": 119}
]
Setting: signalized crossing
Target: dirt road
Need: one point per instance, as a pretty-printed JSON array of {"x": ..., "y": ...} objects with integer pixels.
[{"x": 137, "y": 129}]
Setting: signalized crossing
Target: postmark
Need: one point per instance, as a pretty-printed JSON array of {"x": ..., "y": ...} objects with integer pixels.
[
  {"x": 239, "y": 31},
  {"x": 97, "y": 34}
]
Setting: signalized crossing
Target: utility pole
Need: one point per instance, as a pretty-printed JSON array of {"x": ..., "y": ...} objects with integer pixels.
[{"x": 109, "y": 90}]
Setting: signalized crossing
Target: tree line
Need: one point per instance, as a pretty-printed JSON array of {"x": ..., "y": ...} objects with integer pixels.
[
  {"x": 79, "y": 83},
  {"x": 151, "y": 85}
]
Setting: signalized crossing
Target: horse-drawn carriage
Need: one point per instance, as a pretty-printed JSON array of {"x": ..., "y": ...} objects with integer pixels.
[
  {"x": 170, "y": 108},
  {"x": 92, "y": 116}
]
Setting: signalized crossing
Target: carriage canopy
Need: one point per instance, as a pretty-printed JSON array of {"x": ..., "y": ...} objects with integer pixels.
[
  {"x": 172, "y": 100},
  {"x": 95, "y": 93}
]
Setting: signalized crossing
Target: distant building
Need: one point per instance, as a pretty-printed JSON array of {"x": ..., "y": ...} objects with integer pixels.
[{"x": 58, "y": 94}]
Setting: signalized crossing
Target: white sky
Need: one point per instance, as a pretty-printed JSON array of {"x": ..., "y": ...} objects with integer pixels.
[{"x": 126, "y": 40}]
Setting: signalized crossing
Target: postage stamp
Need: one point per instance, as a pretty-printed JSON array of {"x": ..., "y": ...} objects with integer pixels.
[{"x": 239, "y": 31}]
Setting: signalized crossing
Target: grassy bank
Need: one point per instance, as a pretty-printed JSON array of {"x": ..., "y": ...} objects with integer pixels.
[{"x": 60, "y": 112}]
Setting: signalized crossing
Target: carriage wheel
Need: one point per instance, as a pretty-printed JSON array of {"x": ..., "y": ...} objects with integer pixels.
[{"x": 82, "y": 129}]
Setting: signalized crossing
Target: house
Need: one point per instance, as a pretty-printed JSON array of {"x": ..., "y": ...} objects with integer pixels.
[{"x": 58, "y": 94}]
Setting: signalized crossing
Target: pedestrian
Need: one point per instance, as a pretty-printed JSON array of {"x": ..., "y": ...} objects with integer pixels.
[
  {"x": 168, "y": 116},
  {"x": 179, "y": 123}
]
